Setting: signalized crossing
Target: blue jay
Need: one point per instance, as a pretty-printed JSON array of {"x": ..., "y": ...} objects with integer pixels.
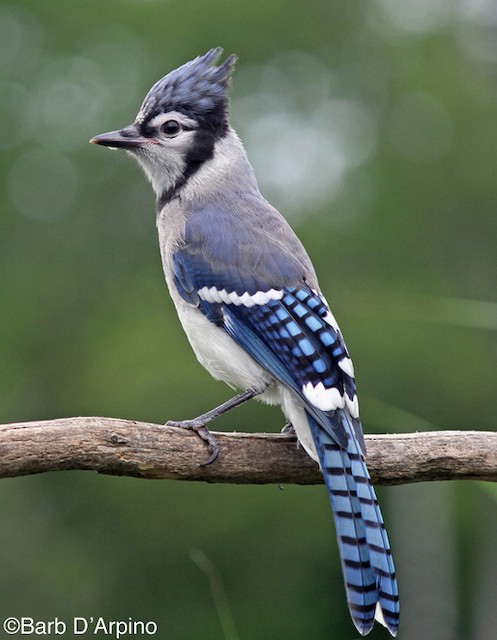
[{"x": 249, "y": 301}]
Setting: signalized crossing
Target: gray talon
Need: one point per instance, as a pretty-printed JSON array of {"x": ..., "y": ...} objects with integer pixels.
[{"x": 199, "y": 427}]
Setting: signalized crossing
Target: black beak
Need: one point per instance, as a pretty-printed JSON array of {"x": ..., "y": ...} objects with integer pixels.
[{"x": 127, "y": 138}]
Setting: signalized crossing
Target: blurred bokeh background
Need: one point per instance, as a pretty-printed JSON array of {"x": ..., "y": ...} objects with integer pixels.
[{"x": 372, "y": 126}]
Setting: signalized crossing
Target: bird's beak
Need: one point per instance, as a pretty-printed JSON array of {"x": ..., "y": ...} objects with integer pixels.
[{"x": 127, "y": 138}]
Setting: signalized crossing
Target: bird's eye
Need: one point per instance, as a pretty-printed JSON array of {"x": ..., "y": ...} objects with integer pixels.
[{"x": 171, "y": 127}]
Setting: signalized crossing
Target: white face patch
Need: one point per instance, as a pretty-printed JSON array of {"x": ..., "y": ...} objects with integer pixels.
[
  {"x": 346, "y": 366},
  {"x": 212, "y": 294},
  {"x": 322, "y": 398}
]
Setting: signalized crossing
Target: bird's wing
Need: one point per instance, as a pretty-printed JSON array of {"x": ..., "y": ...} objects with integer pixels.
[{"x": 287, "y": 328}]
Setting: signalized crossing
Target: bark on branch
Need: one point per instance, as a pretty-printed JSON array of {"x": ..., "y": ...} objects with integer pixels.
[{"x": 144, "y": 450}]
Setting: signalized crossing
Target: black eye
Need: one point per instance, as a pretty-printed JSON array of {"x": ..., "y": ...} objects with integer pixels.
[{"x": 171, "y": 127}]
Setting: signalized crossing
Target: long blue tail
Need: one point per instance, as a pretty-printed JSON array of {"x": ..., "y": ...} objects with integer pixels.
[{"x": 367, "y": 564}]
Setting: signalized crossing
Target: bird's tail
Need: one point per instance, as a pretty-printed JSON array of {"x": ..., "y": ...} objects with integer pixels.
[{"x": 367, "y": 564}]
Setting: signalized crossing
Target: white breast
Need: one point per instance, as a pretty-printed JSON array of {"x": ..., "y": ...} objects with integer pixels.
[{"x": 218, "y": 353}]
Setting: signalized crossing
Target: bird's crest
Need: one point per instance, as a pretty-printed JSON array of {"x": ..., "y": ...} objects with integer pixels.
[{"x": 197, "y": 88}]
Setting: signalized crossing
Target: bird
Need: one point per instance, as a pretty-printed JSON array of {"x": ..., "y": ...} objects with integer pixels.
[{"x": 248, "y": 298}]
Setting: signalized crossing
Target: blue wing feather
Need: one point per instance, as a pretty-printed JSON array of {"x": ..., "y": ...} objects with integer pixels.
[
  {"x": 298, "y": 339},
  {"x": 231, "y": 253},
  {"x": 182, "y": 270}
]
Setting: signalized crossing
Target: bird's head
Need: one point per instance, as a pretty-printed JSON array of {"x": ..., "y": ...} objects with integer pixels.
[{"x": 182, "y": 117}]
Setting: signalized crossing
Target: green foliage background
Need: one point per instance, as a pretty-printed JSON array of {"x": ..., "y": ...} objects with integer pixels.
[{"x": 372, "y": 125}]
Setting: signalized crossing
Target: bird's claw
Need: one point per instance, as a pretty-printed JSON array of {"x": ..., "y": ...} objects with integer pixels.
[{"x": 199, "y": 428}]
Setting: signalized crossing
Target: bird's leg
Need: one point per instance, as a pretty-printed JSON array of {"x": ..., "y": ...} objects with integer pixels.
[
  {"x": 198, "y": 424},
  {"x": 288, "y": 429}
]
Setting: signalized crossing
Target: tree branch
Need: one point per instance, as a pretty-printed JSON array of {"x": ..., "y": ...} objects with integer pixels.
[{"x": 144, "y": 450}]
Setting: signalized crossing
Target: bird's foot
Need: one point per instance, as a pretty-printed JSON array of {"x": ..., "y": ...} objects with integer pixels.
[
  {"x": 199, "y": 427},
  {"x": 198, "y": 423}
]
